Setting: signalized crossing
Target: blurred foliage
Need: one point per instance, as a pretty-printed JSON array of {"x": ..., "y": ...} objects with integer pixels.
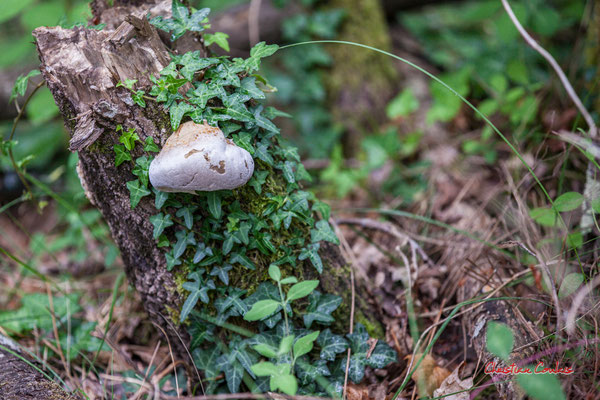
[{"x": 484, "y": 58}]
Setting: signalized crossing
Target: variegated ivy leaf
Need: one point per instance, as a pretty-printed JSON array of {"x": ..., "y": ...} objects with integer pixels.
[
  {"x": 379, "y": 358},
  {"x": 312, "y": 253},
  {"x": 234, "y": 371},
  {"x": 382, "y": 355},
  {"x": 320, "y": 308},
  {"x": 331, "y": 345},
  {"x": 206, "y": 361},
  {"x": 323, "y": 231},
  {"x": 308, "y": 372}
]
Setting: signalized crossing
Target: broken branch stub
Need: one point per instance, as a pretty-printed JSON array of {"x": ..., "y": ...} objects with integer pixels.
[{"x": 198, "y": 157}]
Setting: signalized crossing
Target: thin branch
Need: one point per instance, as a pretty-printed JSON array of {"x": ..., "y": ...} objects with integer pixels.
[{"x": 563, "y": 78}]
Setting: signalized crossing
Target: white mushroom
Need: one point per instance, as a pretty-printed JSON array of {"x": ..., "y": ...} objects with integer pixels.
[{"x": 199, "y": 158}]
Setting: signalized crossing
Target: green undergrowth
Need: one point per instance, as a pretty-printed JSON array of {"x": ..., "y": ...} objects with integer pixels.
[{"x": 242, "y": 256}]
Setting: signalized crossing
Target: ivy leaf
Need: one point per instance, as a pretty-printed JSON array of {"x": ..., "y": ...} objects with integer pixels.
[
  {"x": 248, "y": 87},
  {"x": 233, "y": 300},
  {"x": 233, "y": 371},
  {"x": 257, "y": 180},
  {"x": 187, "y": 213},
  {"x": 312, "y": 253},
  {"x": 309, "y": 372},
  {"x": 128, "y": 83},
  {"x": 322, "y": 208},
  {"x": 264, "y": 122},
  {"x": 150, "y": 146},
  {"x": 159, "y": 198},
  {"x": 323, "y": 231},
  {"x": 177, "y": 111},
  {"x": 160, "y": 221},
  {"x": 261, "y": 50},
  {"x": 381, "y": 356},
  {"x": 239, "y": 112},
  {"x": 20, "y": 86},
  {"x": 320, "y": 308},
  {"x": 183, "y": 240},
  {"x": 202, "y": 251},
  {"x": 136, "y": 192},
  {"x": 195, "y": 293},
  {"x": 138, "y": 98},
  {"x": 262, "y": 309},
  {"x": 331, "y": 345},
  {"x": 142, "y": 165},
  {"x": 214, "y": 204},
  {"x": 129, "y": 138},
  {"x": 202, "y": 94},
  {"x": 287, "y": 168},
  {"x": 171, "y": 261},
  {"x": 121, "y": 155},
  {"x": 193, "y": 62},
  {"x": 222, "y": 272},
  {"x": 181, "y": 21},
  {"x": 189, "y": 305},
  {"x": 241, "y": 259},
  {"x": 219, "y": 38},
  {"x": 262, "y": 152},
  {"x": 301, "y": 289},
  {"x": 356, "y": 370},
  {"x": 206, "y": 361}
]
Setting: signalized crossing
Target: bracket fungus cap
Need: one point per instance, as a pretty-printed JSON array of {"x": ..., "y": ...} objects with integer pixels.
[{"x": 198, "y": 157}]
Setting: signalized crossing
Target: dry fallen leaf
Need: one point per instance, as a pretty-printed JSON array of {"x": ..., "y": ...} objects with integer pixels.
[
  {"x": 357, "y": 392},
  {"x": 453, "y": 384},
  {"x": 429, "y": 373}
]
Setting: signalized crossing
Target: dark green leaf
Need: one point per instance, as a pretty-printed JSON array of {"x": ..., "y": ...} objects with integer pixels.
[
  {"x": 382, "y": 355},
  {"x": 187, "y": 213},
  {"x": 214, "y": 204},
  {"x": 160, "y": 222},
  {"x": 184, "y": 239},
  {"x": 331, "y": 345},
  {"x": 312, "y": 253}
]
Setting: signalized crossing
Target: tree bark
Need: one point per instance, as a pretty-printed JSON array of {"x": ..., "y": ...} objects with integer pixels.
[
  {"x": 82, "y": 68},
  {"x": 361, "y": 82},
  {"x": 21, "y": 381}
]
